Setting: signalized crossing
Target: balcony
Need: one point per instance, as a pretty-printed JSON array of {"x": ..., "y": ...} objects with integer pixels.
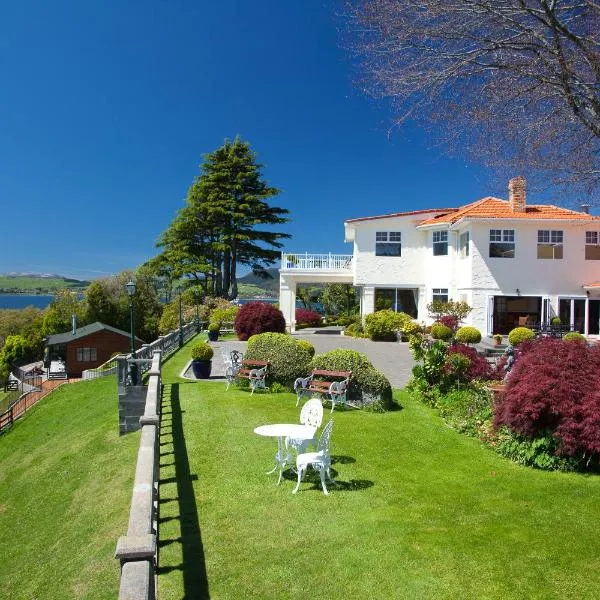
[{"x": 316, "y": 262}]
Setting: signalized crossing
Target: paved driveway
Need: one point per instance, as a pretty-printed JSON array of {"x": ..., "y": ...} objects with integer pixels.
[{"x": 393, "y": 359}]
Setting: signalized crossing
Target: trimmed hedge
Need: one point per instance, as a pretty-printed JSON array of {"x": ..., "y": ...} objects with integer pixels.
[
  {"x": 308, "y": 318},
  {"x": 519, "y": 335},
  {"x": 441, "y": 332},
  {"x": 384, "y": 325},
  {"x": 307, "y": 346},
  {"x": 288, "y": 356},
  {"x": 202, "y": 351},
  {"x": 468, "y": 335},
  {"x": 368, "y": 387},
  {"x": 574, "y": 336},
  {"x": 258, "y": 317}
]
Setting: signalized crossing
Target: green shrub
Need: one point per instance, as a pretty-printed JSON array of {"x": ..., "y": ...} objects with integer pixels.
[
  {"x": 202, "y": 351},
  {"x": 307, "y": 346},
  {"x": 288, "y": 357},
  {"x": 574, "y": 336},
  {"x": 384, "y": 324},
  {"x": 520, "y": 334},
  {"x": 411, "y": 328},
  {"x": 441, "y": 332},
  {"x": 355, "y": 330},
  {"x": 468, "y": 335},
  {"x": 214, "y": 327},
  {"x": 555, "y": 321},
  {"x": 467, "y": 410},
  {"x": 367, "y": 384},
  {"x": 224, "y": 314}
]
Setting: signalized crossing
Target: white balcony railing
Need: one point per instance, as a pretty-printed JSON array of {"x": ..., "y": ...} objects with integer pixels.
[{"x": 316, "y": 262}]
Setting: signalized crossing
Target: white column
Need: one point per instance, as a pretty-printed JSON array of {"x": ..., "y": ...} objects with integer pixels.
[
  {"x": 586, "y": 319},
  {"x": 367, "y": 305},
  {"x": 287, "y": 300}
]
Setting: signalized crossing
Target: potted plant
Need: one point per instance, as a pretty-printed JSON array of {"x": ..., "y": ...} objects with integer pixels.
[
  {"x": 497, "y": 338},
  {"x": 202, "y": 354},
  {"x": 213, "y": 331}
]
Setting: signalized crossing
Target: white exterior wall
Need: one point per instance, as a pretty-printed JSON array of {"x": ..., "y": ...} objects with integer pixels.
[{"x": 477, "y": 277}]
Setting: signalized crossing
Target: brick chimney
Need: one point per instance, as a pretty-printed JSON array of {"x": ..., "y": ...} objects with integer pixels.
[
  {"x": 585, "y": 208},
  {"x": 516, "y": 194}
]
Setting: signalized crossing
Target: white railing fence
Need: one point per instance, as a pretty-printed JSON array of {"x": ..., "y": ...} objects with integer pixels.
[{"x": 316, "y": 262}]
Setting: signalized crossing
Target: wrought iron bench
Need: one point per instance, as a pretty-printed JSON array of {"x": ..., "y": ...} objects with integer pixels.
[
  {"x": 255, "y": 371},
  {"x": 314, "y": 384}
]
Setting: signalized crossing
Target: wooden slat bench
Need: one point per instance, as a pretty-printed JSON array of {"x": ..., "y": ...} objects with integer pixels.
[
  {"x": 321, "y": 382},
  {"x": 255, "y": 371}
]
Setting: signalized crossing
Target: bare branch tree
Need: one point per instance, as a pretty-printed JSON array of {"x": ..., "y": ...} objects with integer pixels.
[{"x": 514, "y": 82}]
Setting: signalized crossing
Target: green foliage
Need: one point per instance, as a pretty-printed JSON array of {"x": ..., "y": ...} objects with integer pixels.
[
  {"x": 216, "y": 230},
  {"x": 538, "y": 452},
  {"x": 224, "y": 314},
  {"x": 555, "y": 321},
  {"x": 214, "y": 327},
  {"x": 468, "y": 410},
  {"x": 520, "y": 334},
  {"x": 574, "y": 336},
  {"x": 39, "y": 285},
  {"x": 58, "y": 316},
  {"x": 468, "y": 335},
  {"x": 202, "y": 351},
  {"x": 288, "y": 357},
  {"x": 441, "y": 332},
  {"x": 16, "y": 350},
  {"x": 367, "y": 384},
  {"x": 339, "y": 298},
  {"x": 355, "y": 330},
  {"x": 458, "y": 310},
  {"x": 411, "y": 328},
  {"x": 385, "y": 324},
  {"x": 307, "y": 346}
]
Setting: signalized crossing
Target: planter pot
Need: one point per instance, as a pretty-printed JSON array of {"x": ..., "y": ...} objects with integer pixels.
[
  {"x": 201, "y": 368},
  {"x": 213, "y": 336}
]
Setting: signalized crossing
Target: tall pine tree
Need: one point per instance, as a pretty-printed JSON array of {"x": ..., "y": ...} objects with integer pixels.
[{"x": 217, "y": 229}]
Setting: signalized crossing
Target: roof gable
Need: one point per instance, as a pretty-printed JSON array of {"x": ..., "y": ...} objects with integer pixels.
[{"x": 81, "y": 332}]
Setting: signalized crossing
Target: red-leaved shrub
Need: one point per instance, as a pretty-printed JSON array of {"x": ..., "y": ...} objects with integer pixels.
[
  {"x": 553, "y": 389},
  {"x": 449, "y": 321},
  {"x": 480, "y": 368},
  {"x": 307, "y": 317},
  {"x": 258, "y": 317}
]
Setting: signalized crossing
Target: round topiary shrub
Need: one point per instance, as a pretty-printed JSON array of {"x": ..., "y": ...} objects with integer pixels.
[
  {"x": 307, "y": 318},
  {"x": 468, "y": 335},
  {"x": 289, "y": 358},
  {"x": 307, "y": 346},
  {"x": 574, "y": 336},
  {"x": 555, "y": 321},
  {"x": 384, "y": 325},
  {"x": 441, "y": 332},
  {"x": 368, "y": 387},
  {"x": 258, "y": 317},
  {"x": 520, "y": 334},
  {"x": 202, "y": 351}
]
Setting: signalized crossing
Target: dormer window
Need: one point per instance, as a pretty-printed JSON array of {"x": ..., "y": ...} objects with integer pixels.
[
  {"x": 388, "y": 243},
  {"x": 440, "y": 243}
]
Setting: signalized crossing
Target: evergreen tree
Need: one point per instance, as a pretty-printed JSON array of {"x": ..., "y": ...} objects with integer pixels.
[{"x": 217, "y": 229}]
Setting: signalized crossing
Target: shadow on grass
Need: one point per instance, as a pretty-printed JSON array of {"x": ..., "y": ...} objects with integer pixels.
[{"x": 193, "y": 565}]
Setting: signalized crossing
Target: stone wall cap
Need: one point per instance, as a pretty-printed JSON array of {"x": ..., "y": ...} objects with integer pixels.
[{"x": 136, "y": 547}]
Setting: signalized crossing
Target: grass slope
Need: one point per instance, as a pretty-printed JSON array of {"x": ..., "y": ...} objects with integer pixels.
[
  {"x": 66, "y": 479},
  {"x": 419, "y": 511},
  {"x": 26, "y": 283}
]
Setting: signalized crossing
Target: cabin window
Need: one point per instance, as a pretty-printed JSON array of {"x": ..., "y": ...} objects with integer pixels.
[
  {"x": 86, "y": 354},
  {"x": 388, "y": 243},
  {"x": 592, "y": 245},
  {"x": 550, "y": 244},
  {"x": 502, "y": 243},
  {"x": 440, "y": 243}
]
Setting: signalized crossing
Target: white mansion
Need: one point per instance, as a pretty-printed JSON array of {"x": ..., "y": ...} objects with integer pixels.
[{"x": 510, "y": 261}]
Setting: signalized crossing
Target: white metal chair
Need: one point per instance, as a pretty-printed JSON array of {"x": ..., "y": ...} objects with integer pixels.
[
  {"x": 311, "y": 415},
  {"x": 319, "y": 460}
]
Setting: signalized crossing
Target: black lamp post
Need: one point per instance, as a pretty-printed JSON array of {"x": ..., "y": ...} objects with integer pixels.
[
  {"x": 133, "y": 368},
  {"x": 180, "y": 321}
]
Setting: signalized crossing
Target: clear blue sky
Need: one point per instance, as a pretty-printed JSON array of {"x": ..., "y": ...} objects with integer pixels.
[{"x": 107, "y": 108}]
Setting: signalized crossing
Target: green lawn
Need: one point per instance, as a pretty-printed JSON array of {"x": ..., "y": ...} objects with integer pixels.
[
  {"x": 66, "y": 479},
  {"x": 420, "y": 510}
]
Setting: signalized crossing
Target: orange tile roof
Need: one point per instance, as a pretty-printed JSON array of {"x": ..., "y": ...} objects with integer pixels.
[
  {"x": 596, "y": 284},
  {"x": 494, "y": 208},
  {"x": 402, "y": 214}
]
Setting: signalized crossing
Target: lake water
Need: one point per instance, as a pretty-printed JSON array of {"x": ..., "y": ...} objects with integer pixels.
[{"x": 23, "y": 300}]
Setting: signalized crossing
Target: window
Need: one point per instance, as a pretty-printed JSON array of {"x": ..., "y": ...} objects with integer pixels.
[
  {"x": 86, "y": 354},
  {"x": 592, "y": 245},
  {"x": 440, "y": 243},
  {"x": 550, "y": 243},
  {"x": 440, "y": 295},
  {"x": 502, "y": 243},
  {"x": 388, "y": 243},
  {"x": 463, "y": 245}
]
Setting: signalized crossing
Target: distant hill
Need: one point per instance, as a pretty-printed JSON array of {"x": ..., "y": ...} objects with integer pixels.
[
  {"x": 37, "y": 283},
  {"x": 252, "y": 286}
]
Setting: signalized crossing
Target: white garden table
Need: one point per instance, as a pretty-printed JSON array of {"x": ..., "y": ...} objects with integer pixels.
[{"x": 282, "y": 431}]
